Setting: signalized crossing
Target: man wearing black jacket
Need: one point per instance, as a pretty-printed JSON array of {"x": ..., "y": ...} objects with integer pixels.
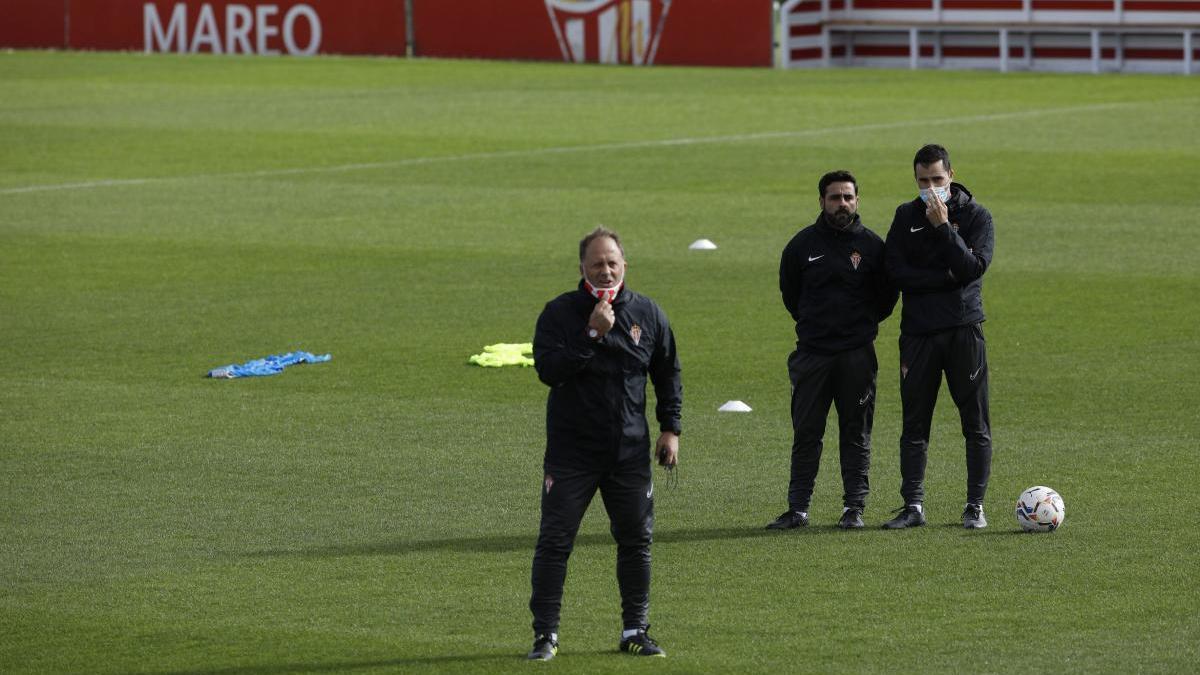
[
  {"x": 834, "y": 284},
  {"x": 594, "y": 347},
  {"x": 938, "y": 248}
]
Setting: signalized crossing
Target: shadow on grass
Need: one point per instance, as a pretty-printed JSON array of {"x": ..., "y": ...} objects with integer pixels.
[
  {"x": 1008, "y": 533},
  {"x": 988, "y": 532},
  {"x": 504, "y": 543},
  {"x": 345, "y": 666}
]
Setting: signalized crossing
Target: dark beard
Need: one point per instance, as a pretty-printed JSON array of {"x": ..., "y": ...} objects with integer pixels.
[{"x": 842, "y": 219}]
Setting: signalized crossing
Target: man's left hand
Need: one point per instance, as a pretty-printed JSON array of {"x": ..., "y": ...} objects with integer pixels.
[
  {"x": 666, "y": 449},
  {"x": 936, "y": 210}
]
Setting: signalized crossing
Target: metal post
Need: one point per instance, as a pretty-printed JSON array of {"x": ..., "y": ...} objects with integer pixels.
[
  {"x": 1027, "y": 10},
  {"x": 410, "y": 31},
  {"x": 826, "y": 37},
  {"x": 1187, "y": 52},
  {"x": 785, "y": 31},
  {"x": 1120, "y": 51},
  {"x": 1095, "y": 52},
  {"x": 1004, "y": 50},
  {"x": 914, "y": 48},
  {"x": 777, "y": 58},
  {"x": 826, "y": 46},
  {"x": 1119, "y": 10}
]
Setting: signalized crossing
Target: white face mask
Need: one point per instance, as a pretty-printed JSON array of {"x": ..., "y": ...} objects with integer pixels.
[{"x": 943, "y": 194}]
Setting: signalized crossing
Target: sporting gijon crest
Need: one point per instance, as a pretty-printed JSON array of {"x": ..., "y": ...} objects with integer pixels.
[{"x": 608, "y": 31}]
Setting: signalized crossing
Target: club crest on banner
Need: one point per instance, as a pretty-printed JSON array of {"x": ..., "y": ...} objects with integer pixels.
[
  {"x": 635, "y": 333},
  {"x": 608, "y": 31},
  {"x": 855, "y": 258}
]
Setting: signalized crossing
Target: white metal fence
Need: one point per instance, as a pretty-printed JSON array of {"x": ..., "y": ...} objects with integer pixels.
[{"x": 1068, "y": 35}]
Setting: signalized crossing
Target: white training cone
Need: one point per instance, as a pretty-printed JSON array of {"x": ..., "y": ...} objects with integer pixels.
[
  {"x": 734, "y": 406},
  {"x": 703, "y": 245}
]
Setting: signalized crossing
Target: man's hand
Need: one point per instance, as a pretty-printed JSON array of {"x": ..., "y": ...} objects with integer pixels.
[
  {"x": 936, "y": 210},
  {"x": 666, "y": 449},
  {"x": 602, "y": 318}
]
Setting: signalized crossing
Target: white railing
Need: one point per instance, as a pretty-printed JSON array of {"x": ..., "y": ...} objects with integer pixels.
[{"x": 1024, "y": 36}]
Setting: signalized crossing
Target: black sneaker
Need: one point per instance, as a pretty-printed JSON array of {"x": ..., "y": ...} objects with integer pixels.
[
  {"x": 544, "y": 648},
  {"x": 972, "y": 517},
  {"x": 641, "y": 644},
  {"x": 789, "y": 520},
  {"x": 851, "y": 519},
  {"x": 910, "y": 516}
]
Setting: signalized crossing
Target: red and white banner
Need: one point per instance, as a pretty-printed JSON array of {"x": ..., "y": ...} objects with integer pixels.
[
  {"x": 292, "y": 27},
  {"x": 634, "y": 32}
]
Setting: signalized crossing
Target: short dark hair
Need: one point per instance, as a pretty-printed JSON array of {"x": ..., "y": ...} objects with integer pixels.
[
  {"x": 600, "y": 231},
  {"x": 839, "y": 176},
  {"x": 932, "y": 154}
]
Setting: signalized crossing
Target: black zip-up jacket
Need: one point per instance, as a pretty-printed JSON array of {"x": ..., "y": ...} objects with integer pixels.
[
  {"x": 596, "y": 410},
  {"x": 940, "y": 269},
  {"x": 835, "y": 286}
]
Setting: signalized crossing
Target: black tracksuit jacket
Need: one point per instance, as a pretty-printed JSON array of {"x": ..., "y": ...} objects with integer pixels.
[
  {"x": 940, "y": 269},
  {"x": 837, "y": 305},
  {"x": 596, "y": 410}
]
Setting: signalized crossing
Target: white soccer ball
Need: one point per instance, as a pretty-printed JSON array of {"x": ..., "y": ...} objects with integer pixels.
[{"x": 1040, "y": 509}]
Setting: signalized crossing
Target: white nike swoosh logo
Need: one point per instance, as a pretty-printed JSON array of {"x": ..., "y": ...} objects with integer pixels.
[
  {"x": 650, "y": 492},
  {"x": 811, "y": 258},
  {"x": 863, "y": 400},
  {"x": 976, "y": 373},
  {"x": 916, "y": 229}
]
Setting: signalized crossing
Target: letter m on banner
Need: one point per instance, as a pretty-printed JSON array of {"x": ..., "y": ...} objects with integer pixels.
[{"x": 608, "y": 31}]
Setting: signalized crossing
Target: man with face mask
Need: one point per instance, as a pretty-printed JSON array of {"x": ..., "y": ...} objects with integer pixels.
[
  {"x": 834, "y": 285},
  {"x": 938, "y": 248},
  {"x": 594, "y": 347}
]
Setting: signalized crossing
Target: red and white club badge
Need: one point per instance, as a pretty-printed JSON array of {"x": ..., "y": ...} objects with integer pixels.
[
  {"x": 855, "y": 258},
  {"x": 635, "y": 333},
  {"x": 608, "y": 31}
]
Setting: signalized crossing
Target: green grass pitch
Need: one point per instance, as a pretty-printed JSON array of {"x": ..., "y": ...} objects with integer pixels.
[{"x": 162, "y": 216}]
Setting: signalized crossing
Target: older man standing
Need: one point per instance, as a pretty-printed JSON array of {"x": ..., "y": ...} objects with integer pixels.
[{"x": 594, "y": 347}]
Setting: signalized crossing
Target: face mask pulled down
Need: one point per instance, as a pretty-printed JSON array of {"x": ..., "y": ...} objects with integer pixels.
[{"x": 608, "y": 294}]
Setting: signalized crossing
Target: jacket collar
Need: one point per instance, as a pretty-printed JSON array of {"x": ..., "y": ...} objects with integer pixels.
[
  {"x": 854, "y": 227},
  {"x": 960, "y": 196}
]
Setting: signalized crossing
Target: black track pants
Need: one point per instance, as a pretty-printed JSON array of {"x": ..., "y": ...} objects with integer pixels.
[
  {"x": 962, "y": 355},
  {"x": 628, "y": 494},
  {"x": 847, "y": 380}
]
